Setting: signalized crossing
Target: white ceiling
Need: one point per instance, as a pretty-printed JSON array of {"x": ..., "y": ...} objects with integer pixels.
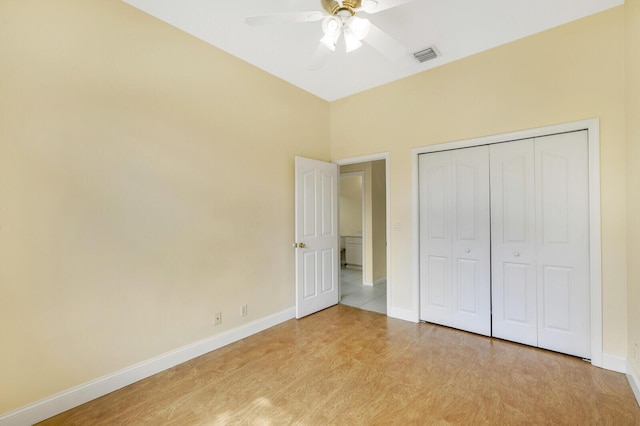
[{"x": 457, "y": 28}]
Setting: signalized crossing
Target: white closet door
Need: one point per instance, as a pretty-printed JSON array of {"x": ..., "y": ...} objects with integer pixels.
[
  {"x": 435, "y": 237},
  {"x": 471, "y": 273},
  {"x": 562, "y": 228},
  {"x": 454, "y": 239},
  {"x": 513, "y": 242}
]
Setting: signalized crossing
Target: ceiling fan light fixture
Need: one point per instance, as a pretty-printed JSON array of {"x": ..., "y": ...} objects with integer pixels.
[
  {"x": 338, "y": 19},
  {"x": 330, "y": 41},
  {"x": 359, "y": 27},
  {"x": 331, "y": 26},
  {"x": 351, "y": 41}
]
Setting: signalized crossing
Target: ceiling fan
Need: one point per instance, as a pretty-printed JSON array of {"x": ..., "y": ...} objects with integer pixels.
[{"x": 339, "y": 18}]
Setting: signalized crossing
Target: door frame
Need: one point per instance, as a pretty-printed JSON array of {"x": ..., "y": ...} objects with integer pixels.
[
  {"x": 363, "y": 216},
  {"x": 365, "y": 159},
  {"x": 592, "y": 126}
]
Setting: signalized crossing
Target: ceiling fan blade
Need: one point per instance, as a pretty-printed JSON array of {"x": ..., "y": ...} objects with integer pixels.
[
  {"x": 375, "y": 6},
  {"x": 385, "y": 44},
  {"x": 319, "y": 58},
  {"x": 285, "y": 18}
]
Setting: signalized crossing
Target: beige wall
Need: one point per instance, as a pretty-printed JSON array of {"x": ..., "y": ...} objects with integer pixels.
[
  {"x": 379, "y": 220},
  {"x": 136, "y": 163},
  {"x": 632, "y": 14},
  {"x": 549, "y": 78},
  {"x": 351, "y": 204}
]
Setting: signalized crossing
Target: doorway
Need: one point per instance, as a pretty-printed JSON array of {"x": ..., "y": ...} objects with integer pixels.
[{"x": 363, "y": 235}]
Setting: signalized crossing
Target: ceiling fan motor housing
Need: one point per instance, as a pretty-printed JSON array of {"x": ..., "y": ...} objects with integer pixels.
[{"x": 335, "y": 7}]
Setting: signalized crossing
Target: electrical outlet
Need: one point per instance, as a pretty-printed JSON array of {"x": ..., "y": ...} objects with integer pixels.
[
  {"x": 218, "y": 320},
  {"x": 244, "y": 310}
]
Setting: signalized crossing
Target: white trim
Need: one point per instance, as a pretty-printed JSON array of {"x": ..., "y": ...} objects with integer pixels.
[
  {"x": 595, "y": 239},
  {"x": 591, "y": 124},
  {"x": 634, "y": 381},
  {"x": 374, "y": 283},
  {"x": 614, "y": 363},
  {"x": 86, "y": 392},
  {"x": 365, "y": 159},
  {"x": 415, "y": 184},
  {"x": 362, "y": 159},
  {"x": 595, "y": 243}
]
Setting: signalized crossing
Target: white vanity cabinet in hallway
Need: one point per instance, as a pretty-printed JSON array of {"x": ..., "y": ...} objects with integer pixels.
[{"x": 536, "y": 224}]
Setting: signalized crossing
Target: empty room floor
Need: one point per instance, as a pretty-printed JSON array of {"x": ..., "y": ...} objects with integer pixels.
[
  {"x": 347, "y": 366},
  {"x": 354, "y": 293}
]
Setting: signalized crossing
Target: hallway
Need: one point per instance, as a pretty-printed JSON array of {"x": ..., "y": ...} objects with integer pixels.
[{"x": 354, "y": 293}]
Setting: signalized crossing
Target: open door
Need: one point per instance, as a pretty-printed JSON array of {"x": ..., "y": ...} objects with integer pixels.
[{"x": 317, "y": 254}]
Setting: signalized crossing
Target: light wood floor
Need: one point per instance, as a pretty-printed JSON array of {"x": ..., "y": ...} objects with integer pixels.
[{"x": 345, "y": 366}]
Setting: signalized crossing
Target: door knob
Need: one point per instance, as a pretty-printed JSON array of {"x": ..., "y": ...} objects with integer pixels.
[
  {"x": 302, "y": 245},
  {"x": 467, "y": 251},
  {"x": 516, "y": 254}
]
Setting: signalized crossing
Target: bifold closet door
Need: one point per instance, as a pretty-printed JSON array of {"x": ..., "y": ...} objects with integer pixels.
[
  {"x": 562, "y": 240},
  {"x": 513, "y": 242},
  {"x": 455, "y": 239},
  {"x": 540, "y": 242}
]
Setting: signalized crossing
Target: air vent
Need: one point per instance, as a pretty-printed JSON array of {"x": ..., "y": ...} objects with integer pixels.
[{"x": 426, "y": 54}]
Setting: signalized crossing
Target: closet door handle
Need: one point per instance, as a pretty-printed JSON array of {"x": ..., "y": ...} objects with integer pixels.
[
  {"x": 516, "y": 253},
  {"x": 467, "y": 251}
]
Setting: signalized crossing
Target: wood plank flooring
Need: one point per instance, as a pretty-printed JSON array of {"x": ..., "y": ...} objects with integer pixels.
[{"x": 345, "y": 366}]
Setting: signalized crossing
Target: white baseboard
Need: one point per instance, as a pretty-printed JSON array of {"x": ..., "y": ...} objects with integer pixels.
[
  {"x": 614, "y": 363},
  {"x": 86, "y": 392},
  {"x": 634, "y": 381},
  {"x": 375, "y": 283}
]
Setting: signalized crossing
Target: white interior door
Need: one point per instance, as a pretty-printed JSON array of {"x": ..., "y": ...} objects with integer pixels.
[
  {"x": 562, "y": 227},
  {"x": 317, "y": 254},
  {"x": 513, "y": 242},
  {"x": 455, "y": 239}
]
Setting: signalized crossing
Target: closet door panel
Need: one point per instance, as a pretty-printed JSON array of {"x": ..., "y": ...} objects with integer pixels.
[
  {"x": 437, "y": 290},
  {"x": 471, "y": 240},
  {"x": 467, "y": 292},
  {"x": 556, "y": 294},
  {"x": 562, "y": 211},
  {"x": 516, "y": 300},
  {"x": 435, "y": 237},
  {"x": 513, "y": 246}
]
